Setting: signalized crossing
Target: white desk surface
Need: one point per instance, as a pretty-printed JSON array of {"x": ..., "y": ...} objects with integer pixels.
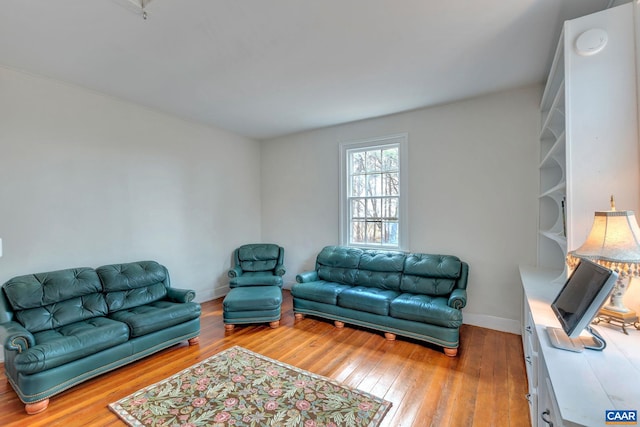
[{"x": 585, "y": 384}]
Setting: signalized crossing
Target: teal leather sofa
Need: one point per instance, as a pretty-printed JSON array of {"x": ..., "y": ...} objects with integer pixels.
[
  {"x": 409, "y": 294},
  {"x": 63, "y": 327}
]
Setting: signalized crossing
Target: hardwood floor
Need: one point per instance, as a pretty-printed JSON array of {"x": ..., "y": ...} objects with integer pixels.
[{"x": 484, "y": 385}]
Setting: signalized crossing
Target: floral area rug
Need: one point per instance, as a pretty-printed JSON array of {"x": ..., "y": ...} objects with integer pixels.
[{"x": 238, "y": 387}]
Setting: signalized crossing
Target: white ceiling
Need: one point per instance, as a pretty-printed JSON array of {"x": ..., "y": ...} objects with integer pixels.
[{"x": 264, "y": 68}]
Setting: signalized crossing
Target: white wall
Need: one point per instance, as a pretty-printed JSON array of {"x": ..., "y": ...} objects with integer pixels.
[
  {"x": 472, "y": 192},
  {"x": 88, "y": 180}
]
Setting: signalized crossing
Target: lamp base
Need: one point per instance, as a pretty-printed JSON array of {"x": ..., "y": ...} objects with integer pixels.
[{"x": 618, "y": 319}]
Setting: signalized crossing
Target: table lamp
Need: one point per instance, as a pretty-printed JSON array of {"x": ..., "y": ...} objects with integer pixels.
[{"x": 613, "y": 242}]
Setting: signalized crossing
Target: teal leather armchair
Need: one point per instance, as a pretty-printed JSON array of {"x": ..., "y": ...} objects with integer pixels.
[
  {"x": 256, "y": 286},
  {"x": 257, "y": 264}
]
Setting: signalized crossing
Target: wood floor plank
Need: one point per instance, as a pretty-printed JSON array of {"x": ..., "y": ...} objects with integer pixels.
[{"x": 425, "y": 386}]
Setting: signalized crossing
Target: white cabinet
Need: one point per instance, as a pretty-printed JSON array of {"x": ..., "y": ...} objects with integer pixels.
[
  {"x": 588, "y": 137},
  {"x": 574, "y": 389}
]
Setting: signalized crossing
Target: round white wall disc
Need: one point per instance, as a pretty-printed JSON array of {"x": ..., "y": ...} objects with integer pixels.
[{"x": 591, "y": 42}]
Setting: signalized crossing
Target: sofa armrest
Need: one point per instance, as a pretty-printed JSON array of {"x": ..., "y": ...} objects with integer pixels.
[
  {"x": 235, "y": 272},
  {"x": 307, "y": 276},
  {"x": 15, "y": 337},
  {"x": 280, "y": 270},
  {"x": 458, "y": 298},
  {"x": 181, "y": 295}
]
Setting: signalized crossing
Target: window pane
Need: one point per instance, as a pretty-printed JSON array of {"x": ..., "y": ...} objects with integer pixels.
[
  {"x": 358, "y": 232},
  {"x": 357, "y": 186},
  {"x": 374, "y": 231},
  {"x": 390, "y": 231},
  {"x": 390, "y": 209},
  {"x": 357, "y": 209},
  {"x": 390, "y": 184},
  {"x": 358, "y": 162},
  {"x": 374, "y": 161},
  {"x": 374, "y": 185},
  {"x": 390, "y": 159},
  {"x": 374, "y": 208}
]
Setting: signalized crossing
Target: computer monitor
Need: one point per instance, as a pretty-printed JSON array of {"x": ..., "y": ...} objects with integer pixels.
[{"x": 577, "y": 303}]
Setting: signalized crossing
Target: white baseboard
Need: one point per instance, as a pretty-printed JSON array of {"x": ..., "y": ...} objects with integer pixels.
[{"x": 492, "y": 322}]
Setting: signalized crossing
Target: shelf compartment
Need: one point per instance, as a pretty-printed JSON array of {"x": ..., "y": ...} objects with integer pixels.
[
  {"x": 553, "y": 118},
  {"x": 556, "y": 77},
  {"x": 552, "y": 177},
  {"x": 552, "y": 151}
]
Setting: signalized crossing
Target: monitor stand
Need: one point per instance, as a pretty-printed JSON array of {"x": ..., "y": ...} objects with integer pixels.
[{"x": 559, "y": 339}]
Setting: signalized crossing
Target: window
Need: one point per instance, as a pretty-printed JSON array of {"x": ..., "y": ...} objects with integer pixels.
[{"x": 373, "y": 201}]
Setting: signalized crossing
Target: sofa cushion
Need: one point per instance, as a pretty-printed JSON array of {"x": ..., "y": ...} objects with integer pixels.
[
  {"x": 377, "y": 260},
  {"x": 155, "y": 316},
  {"x": 430, "y": 274},
  {"x": 258, "y": 257},
  {"x": 380, "y": 269},
  {"x": 55, "y": 347},
  {"x": 372, "y": 300},
  {"x": 133, "y": 284},
  {"x": 62, "y": 313},
  {"x": 426, "y": 309},
  {"x": 319, "y": 291},
  {"x": 54, "y": 299},
  {"x": 338, "y": 264},
  {"x": 339, "y": 256},
  {"x": 440, "y": 266}
]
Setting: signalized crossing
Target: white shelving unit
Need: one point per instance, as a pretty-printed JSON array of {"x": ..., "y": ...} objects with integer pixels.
[{"x": 588, "y": 136}]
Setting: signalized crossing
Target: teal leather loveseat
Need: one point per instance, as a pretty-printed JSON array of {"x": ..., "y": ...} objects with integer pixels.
[
  {"x": 410, "y": 294},
  {"x": 63, "y": 327}
]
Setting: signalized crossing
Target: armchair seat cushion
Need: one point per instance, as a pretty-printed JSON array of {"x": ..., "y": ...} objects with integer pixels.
[
  {"x": 158, "y": 315},
  {"x": 319, "y": 291},
  {"x": 55, "y": 347},
  {"x": 372, "y": 300},
  {"x": 426, "y": 309}
]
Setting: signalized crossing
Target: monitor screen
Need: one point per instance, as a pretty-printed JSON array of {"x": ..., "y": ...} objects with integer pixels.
[{"x": 582, "y": 295}]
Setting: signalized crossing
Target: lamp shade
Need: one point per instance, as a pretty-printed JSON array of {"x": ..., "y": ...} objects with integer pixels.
[{"x": 614, "y": 237}]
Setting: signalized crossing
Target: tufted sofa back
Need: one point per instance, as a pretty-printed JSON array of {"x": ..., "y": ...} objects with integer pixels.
[
  {"x": 381, "y": 269},
  {"x": 430, "y": 274},
  {"x": 416, "y": 273},
  {"x": 54, "y": 299},
  {"x": 258, "y": 257},
  {"x": 338, "y": 264},
  {"x": 133, "y": 284}
]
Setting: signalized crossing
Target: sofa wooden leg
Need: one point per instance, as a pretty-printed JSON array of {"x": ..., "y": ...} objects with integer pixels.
[
  {"x": 389, "y": 336},
  {"x": 274, "y": 324},
  {"x": 37, "y": 407},
  {"x": 338, "y": 324},
  {"x": 229, "y": 327},
  {"x": 194, "y": 341},
  {"x": 298, "y": 316},
  {"x": 451, "y": 352}
]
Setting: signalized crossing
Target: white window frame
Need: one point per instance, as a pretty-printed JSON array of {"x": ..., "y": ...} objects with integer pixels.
[{"x": 401, "y": 140}]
